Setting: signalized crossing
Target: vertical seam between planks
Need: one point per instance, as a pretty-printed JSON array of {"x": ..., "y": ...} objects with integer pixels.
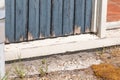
[
  {"x": 15, "y": 20},
  {"x": 39, "y": 21},
  {"x": 85, "y": 15},
  {"x": 62, "y": 15},
  {"x": 51, "y": 22},
  {"x": 39, "y": 18},
  {"x": 27, "y": 20},
  {"x": 91, "y": 15},
  {"x": 74, "y": 16}
]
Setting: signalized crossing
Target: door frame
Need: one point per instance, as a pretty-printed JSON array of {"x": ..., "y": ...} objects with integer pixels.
[{"x": 99, "y": 15}]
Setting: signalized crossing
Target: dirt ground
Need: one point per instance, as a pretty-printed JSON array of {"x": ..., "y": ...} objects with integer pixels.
[{"x": 68, "y": 66}]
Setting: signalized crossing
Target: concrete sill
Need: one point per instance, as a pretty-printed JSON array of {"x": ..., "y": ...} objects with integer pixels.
[{"x": 60, "y": 45}]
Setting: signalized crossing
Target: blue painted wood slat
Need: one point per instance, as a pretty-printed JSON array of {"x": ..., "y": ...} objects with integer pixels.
[
  {"x": 57, "y": 17},
  {"x": 33, "y": 30},
  {"x": 45, "y": 18},
  {"x": 79, "y": 16},
  {"x": 21, "y": 20},
  {"x": 68, "y": 17},
  {"x": 9, "y": 21},
  {"x": 88, "y": 15},
  {"x": 35, "y": 19}
]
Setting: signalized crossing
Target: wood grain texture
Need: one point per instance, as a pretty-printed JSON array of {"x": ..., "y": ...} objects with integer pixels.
[
  {"x": 33, "y": 30},
  {"x": 10, "y": 21},
  {"x": 68, "y": 17},
  {"x": 21, "y": 20},
  {"x": 57, "y": 6},
  {"x": 45, "y": 18}
]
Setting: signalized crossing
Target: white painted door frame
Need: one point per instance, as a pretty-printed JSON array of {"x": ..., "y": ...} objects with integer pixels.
[
  {"x": 99, "y": 16},
  {"x": 2, "y": 59}
]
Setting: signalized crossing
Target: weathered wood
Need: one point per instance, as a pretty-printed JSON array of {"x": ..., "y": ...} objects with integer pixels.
[
  {"x": 10, "y": 20},
  {"x": 35, "y": 19},
  {"x": 57, "y": 17},
  {"x": 79, "y": 16},
  {"x": 68, "y": 17},
  {"x": 21, "y": 20},
  {"x": 88, "y": 15},
  {"x": 45, "y": 18},
  {"x": 33, "y": 30}
]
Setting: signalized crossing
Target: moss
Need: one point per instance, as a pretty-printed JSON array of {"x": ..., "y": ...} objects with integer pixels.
[{"x": 106, "y": 71}]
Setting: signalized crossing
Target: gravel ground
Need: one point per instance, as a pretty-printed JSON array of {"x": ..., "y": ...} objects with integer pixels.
[{"x": 68, "y": 66}]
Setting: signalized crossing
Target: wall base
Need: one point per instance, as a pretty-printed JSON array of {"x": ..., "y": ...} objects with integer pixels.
[{"x": 60, "y": 45}]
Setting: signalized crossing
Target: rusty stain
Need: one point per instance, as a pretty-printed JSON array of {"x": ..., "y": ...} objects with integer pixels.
[
  {"x": 77, "y": 30},
  {"x": 30, "y": 37}
]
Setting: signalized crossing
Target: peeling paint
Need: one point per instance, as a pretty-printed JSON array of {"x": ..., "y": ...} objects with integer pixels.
[
  {"x": 67, "y": 34},
  {"x": 41, "y": 36},
  {"x": 6, "y": 40},
  {"x": 30, "y": 37},
  {"x": 53, "y": 34},
  {"x": 77, "y": 30},
  {"x": 87, "y": 29},
  {"x": 21, "y": 38},
  {"x": 62, "y": 25}
]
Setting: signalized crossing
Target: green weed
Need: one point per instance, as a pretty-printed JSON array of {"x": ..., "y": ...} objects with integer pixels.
[{"x": 43, "y": 69}]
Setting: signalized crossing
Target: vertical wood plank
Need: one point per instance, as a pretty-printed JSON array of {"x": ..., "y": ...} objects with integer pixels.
[
  {"x": 88, "y": 15},
  {"x": 79, "y": 16},
  {"x": 21, "y": 20},
  {"x": 57, "y": 17},
  {"x": 45, "y": 18},
  {"x": 68, "y": 17},
  {"x": 65, "y": 13},
  {"x": 9, "y": 21},
  {"x": 33, "y": 32}
]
